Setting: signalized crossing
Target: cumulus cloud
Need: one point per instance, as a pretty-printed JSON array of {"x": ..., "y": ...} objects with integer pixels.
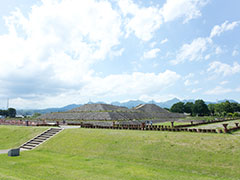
[
  {"x": 164, "y": 41},
  {"x": 196, "y": 49},
  {"x": 218, "y": 90},
  {"x": 193, "y": 51},
  {"x": 196, "y": 90},
  {"x": 144, "y": 21},
  {"x": 127, "y": 86},
  {"x": 189, "y": 82},
  {"x": 151, "y": 54},
  {"x": 219, "y": 68},
  {"x": 224, "y": 82},
  {"x": 136, "y": 83},
  {"x": 235, "y": 52},
  {"x": 226, "y": 26},
  {"x": 53, "y": 47},
  {"x": 188, "y": 9},
  {"x": 47, "y": 56}
]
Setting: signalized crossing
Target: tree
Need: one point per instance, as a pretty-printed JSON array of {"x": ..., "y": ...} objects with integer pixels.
[
  {"x": 3, "y": 112},
  {"x": 211, "y": 108},
  {"x": 227, "y": 107},
  {"x": 219, "y": 108},
  {"x": 177, "y": 107},
  {"x": 200, "y": 108},
  {"x": 188, "y": 108},
  {"x": 11, "y": 112},
  {"x": 235, "y": 107}
]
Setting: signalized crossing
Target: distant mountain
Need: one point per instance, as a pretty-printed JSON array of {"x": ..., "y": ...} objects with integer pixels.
[
  {"x": 128, "y": 104},
  {"x": 47, "y": 110},
  {"x": 168, "y": 104},
  {"x": 230, "y": 100}
]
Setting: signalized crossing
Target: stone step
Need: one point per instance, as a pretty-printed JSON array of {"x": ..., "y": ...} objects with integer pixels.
[
  {"x": 40, "y": 138},
  {"x": 27, "y": 147},
  {"x": 29, "y": 144},
  {"x": 48, "y": 133},
  {"x": 45, "y": 136},
  {"x": 34, "y": 142}
]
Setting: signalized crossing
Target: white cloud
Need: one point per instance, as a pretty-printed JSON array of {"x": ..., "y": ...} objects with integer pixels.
[
  {"x": 53, "y": 48},
  {"x": 189, "y": 82},
  {"x": 164, "y": 41},
  {"x": 136, "y": 83},
  {"x": 151, "y": 54},
  {"x": 190, "y": 75},
  {"x": 189, "y": 9},
  {"x": 207, "y": 56},
  {"x": 218, "y": 90},
  {"x": 153, "y": 44},
  {"x": 144, "y": 21},
  {"x": 129, "y": 86},
  {"x": 226, "y": 26},
  {"x": 157, "y": 97},
  {"x": 219, "y": 68},
  {"x": 235, "y": 52},
  {"x": 224, "y": 82},
  {"x": 218, "y": 50},
  {"x": 196, "y": 90},
  {"x": 193, "y": 51}
]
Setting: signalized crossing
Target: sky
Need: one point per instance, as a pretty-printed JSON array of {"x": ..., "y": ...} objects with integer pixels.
[{"x": 59, "y": 52}]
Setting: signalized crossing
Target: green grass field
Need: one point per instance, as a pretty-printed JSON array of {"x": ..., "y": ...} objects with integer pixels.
[
  {"x": 125, "y": 154},
  {"x": 13, "y": 136},
  {"x": 170, "y": 124}
]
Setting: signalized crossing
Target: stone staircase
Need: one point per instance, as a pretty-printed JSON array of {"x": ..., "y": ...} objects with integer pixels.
[{"x": 36, "y": 141}]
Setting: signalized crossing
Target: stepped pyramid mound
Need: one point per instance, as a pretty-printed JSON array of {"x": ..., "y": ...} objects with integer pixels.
[
  {"x": 150, "y": 108},
  {"x": 107, "y": 112},
  {"x": 98, "y": 107}
]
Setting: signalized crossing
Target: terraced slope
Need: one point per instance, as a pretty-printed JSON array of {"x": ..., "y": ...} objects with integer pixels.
[
  {"x": 105, "y": 112},
  {"x": 150, "y": 108}
]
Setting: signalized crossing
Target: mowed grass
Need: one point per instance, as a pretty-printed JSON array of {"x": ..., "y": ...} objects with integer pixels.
[
  {"x": 170, "y": 124},
  {"x": 14, "y": 136},
  {"x": 125, "y": 154}
]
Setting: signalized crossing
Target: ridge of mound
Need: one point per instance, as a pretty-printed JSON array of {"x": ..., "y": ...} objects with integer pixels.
[
  {"x": 98, "y": 107},
  {"x": 150, "y": 108}
]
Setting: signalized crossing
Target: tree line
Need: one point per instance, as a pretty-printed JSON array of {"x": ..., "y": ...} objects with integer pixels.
[
  {"x": 10, "y": 112},
  {"x": 200, "y": 108}
]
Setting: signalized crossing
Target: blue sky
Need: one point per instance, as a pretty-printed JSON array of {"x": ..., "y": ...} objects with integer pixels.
[{"x": 59, "y": 52}]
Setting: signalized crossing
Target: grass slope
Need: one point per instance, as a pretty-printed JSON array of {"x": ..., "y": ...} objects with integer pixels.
[
  {"x": 14, "y": 136},
  {"x": 118, "y": 154}
]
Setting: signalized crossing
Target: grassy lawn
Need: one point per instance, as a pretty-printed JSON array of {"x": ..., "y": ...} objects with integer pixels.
[
  {"x": 119, "y": 154},
  {"x": 14, "y": 136},
  {"x": 205, "y": 118},
  {"x": 169, "y": 123}
]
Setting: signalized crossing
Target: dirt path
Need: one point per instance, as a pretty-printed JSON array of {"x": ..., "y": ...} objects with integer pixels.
[
  {"x": 217, "y": 125},
  {"x": 4, "y": 151}
]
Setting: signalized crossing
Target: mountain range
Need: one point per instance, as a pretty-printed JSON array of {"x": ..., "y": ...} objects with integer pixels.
[{"x": 128, "y": 104}]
